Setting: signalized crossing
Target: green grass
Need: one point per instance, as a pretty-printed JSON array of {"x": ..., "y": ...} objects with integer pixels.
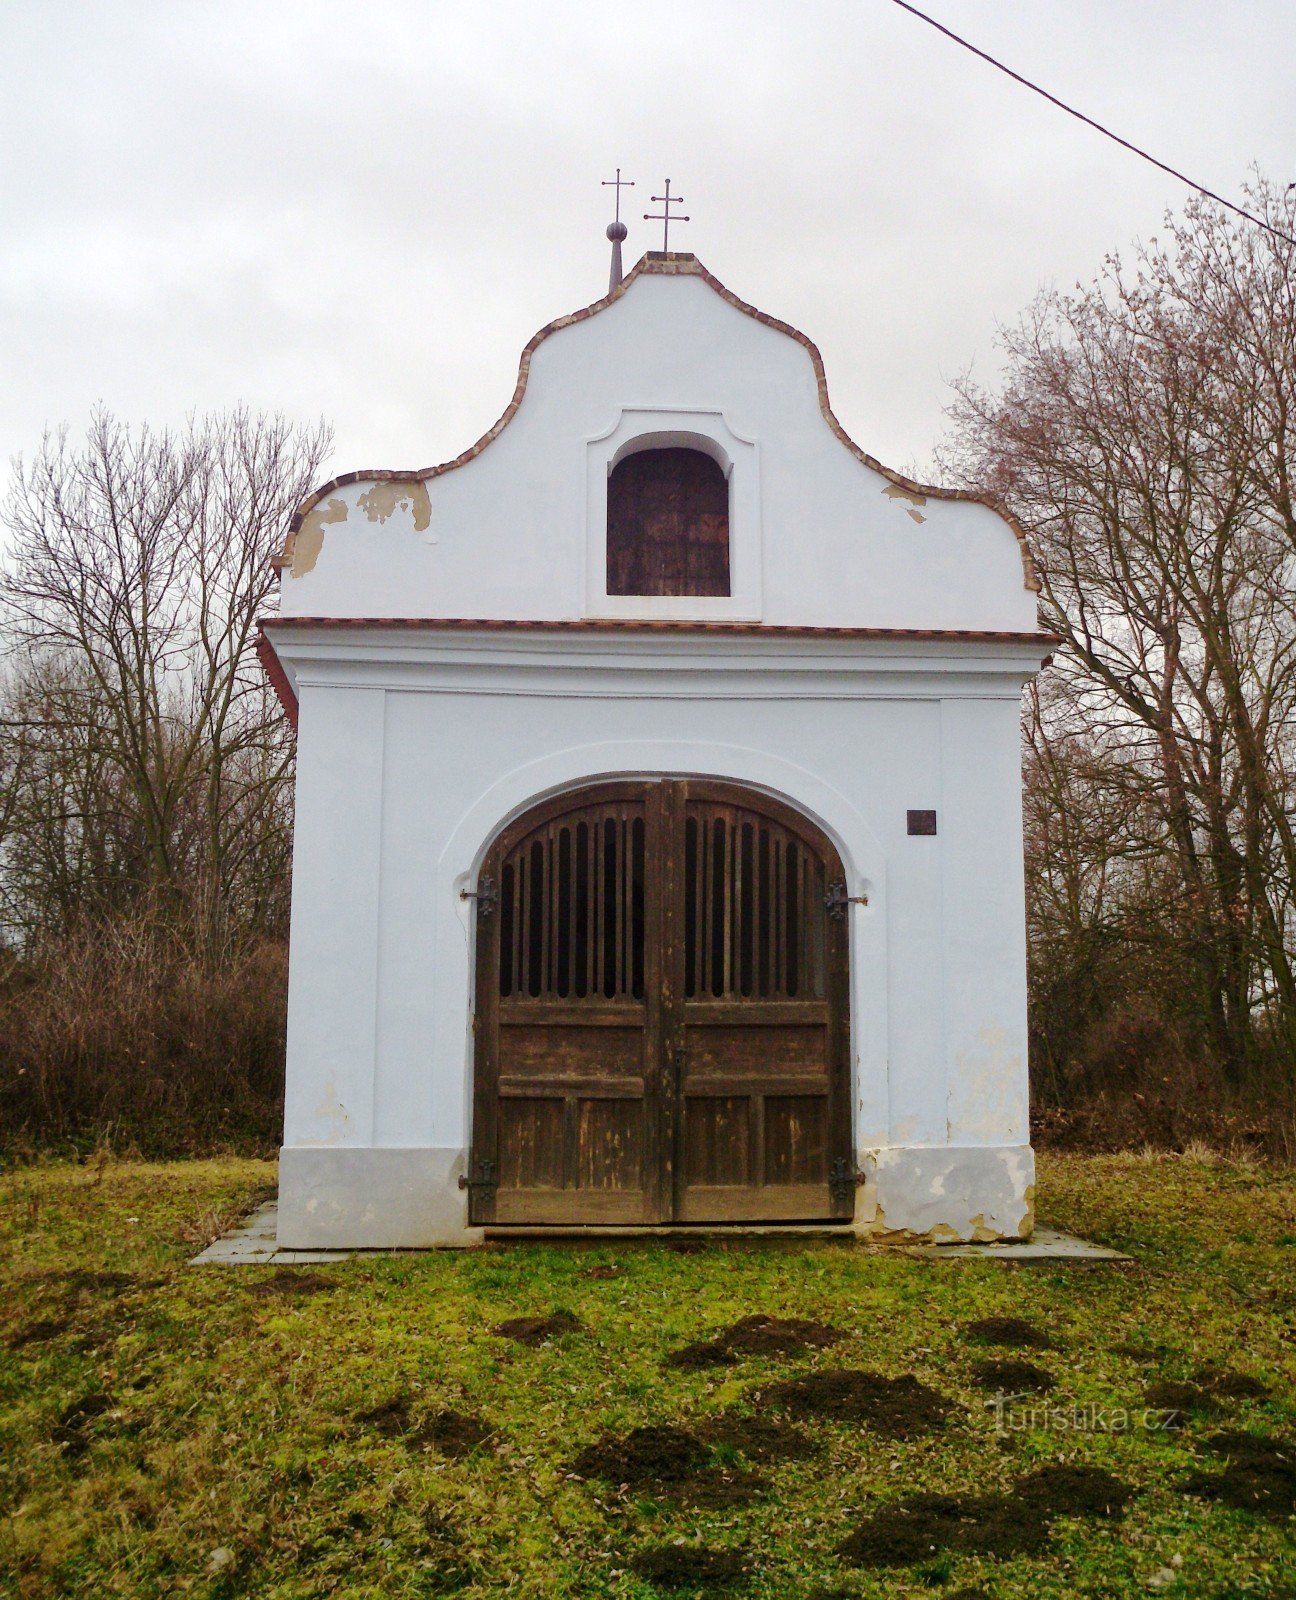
[{"x": 233, "y": 1418}]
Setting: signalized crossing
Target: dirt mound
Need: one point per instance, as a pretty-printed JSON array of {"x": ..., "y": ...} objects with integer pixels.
[
  {"x": 106, "y": 1282},
  {"x": 756, "y": 1336},
  {"x": 535, "y": 1331},
  {"x": 898, "y": 1407},
  {"x": 1259, "y": 1475},
  {"x": 1136, "y": 1352},
  {"x": 1231, "y": 1385},
  {"x": 1170, "y": 1396},
  {"x": 285, "y": 1281},
  {"x": 644, "y": 1455},
  {"x": 71, "y": 1431},
  {"x": 391, "y": 1419},
  {"x": 1002, "y": 1525},
  {"x": 453, "y": 1433},
  {"x": 913, "y": 1530},
  {"x": 1012, "y": 1376},
  {"x": 718, "y": 1488},
  {"x": 37, "y": 1333},
  {"x": 669, "y": 1462},
  {"x": 1014, "y": 1333},
  {"x": 759, "y": 1438},
  {"x": 1073, "y": 1491},
  {"x": 80, "y": 1279},
  {"x": 604, "y": 1269},
  {"x": 676, "y": 1566}
]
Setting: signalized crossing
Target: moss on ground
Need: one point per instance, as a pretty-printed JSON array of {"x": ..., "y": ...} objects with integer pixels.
[{"x": 170, "y": 1430}]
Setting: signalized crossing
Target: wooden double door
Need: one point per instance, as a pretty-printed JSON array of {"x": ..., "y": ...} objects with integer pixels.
[{"x": 662, "y": 1029}]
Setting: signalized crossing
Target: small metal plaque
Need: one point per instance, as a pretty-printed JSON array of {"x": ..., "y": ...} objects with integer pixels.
[{"x": 922, "y": 822}]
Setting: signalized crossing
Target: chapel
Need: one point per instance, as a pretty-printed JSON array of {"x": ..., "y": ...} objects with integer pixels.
[{"x": 658, "y": 857}]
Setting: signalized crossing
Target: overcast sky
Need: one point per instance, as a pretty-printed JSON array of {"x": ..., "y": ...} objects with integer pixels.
[{"x": 364, "y": 210}]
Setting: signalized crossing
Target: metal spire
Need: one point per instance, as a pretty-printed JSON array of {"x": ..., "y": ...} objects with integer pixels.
[
  {"x": 617, "y": 230},
  {"x": 665, "y": 201}
]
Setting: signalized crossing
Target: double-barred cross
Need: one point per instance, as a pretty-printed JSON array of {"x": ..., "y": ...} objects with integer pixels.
[{"x": 665, "y": 201}]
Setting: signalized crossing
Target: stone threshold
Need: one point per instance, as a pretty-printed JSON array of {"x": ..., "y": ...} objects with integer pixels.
[{"x": 254, "y": 1242}]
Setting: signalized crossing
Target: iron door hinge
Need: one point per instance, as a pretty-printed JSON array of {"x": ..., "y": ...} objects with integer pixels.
[
  {"x": 843, "y": 1179},
  {"x": 836, "y": 899},
  {"x": 485, "y": 1178},
  {"x": 485, "y": 894}
]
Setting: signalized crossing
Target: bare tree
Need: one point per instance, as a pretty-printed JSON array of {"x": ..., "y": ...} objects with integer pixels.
[
  {"x": 1143, "y": 432},
  {"x": 141, "y": 723}
]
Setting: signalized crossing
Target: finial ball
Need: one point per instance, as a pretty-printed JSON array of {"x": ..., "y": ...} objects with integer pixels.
[{"x": 616, "y": 231}]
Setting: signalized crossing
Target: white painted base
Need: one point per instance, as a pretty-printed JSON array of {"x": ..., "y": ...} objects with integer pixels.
[
  {"x": 941, "y": 1193},
  {"x": 333, "y": 1198},
  {"x": 372, "y": 1198}
]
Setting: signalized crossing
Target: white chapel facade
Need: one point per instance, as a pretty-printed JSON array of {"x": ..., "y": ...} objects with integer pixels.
[{"x": 658, "y": 848}]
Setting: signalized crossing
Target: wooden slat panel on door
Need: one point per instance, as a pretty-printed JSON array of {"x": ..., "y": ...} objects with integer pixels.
[
  {"x": 764, "y": 1110},
  {"x": 567, "y": 1052},
  {"x": 662, "y": 1029}
]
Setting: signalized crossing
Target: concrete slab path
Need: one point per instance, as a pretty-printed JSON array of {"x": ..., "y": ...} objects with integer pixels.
[{"x": 254, "y": 1243}]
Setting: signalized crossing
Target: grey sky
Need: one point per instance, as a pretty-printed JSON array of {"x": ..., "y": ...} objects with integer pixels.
[{"x": 365, "y": 210}]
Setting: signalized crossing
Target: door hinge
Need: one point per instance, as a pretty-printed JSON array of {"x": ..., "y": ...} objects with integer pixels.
[
  {"x": 485, "y": 894},
  {"x": 836, "y": 899},
  {"x": 843, "y": 1179},
  {"x": 485, "y": 1178}
]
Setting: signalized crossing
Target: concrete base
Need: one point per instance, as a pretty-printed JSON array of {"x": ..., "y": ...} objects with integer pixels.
[
  {"x": 1044, "y": 1244},
  {"x": 346, "y": 1198},
  {"x": 254, "y": 1243},
  {"x": 942, "y": 1194},
  {"x": 334, "y": 1197}
]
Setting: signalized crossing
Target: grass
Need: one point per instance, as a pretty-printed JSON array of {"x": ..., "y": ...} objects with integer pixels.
[{"x": 175, "y": 1430}]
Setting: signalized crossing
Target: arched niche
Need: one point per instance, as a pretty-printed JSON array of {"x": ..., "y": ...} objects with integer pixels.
[
  {"x": 668, "y": 522},
  {"x": 685, "y": 541}
]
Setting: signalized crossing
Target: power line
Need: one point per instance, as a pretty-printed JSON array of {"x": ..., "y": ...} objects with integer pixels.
[{"x": 1097, "y": 126}]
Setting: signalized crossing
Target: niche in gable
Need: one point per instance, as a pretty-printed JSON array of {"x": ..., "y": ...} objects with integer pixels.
[{"x": 673, "y": 518}]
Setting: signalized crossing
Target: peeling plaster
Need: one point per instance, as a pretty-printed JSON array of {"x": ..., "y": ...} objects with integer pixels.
[
  {"x": 925, "y": 1194},
  {"x": 896, "y": 491},
  {"x": 398, "y": 494},
  {"x": 988, "y": 1100},
  {"x": 308, "y": 541},
  {"x": 332, "y": 1112}
]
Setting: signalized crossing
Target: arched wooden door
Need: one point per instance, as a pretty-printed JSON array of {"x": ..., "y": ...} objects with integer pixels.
[{"x": 662, "y": 1029}]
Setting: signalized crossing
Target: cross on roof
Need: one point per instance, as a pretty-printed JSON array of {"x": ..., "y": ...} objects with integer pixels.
[
  {"x": 665, "y": 201},
  {"x": 618, "y": 183}
]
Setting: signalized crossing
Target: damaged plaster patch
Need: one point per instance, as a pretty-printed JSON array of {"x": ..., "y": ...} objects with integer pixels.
[
  {"x": 987, "y": 1102},
  {"x": 1027, "y": 1224},
  {"x": 894, "y": 491},
  {"x": 948, "y": 1194},
  {"x": 331, "y": 1112},
  {"x": 309, "y": 538},
  {"x": 401, "y": 494}
]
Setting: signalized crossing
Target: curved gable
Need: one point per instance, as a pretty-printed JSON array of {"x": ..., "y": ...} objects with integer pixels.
[
  {"x": 821, "y": 535},
  {"x": 393, "y": 488}
]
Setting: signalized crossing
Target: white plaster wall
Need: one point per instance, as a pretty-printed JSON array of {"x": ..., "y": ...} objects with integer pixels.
[
  {"x": 508, "y": 535},
  {"x": 415, "y": 750}
]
